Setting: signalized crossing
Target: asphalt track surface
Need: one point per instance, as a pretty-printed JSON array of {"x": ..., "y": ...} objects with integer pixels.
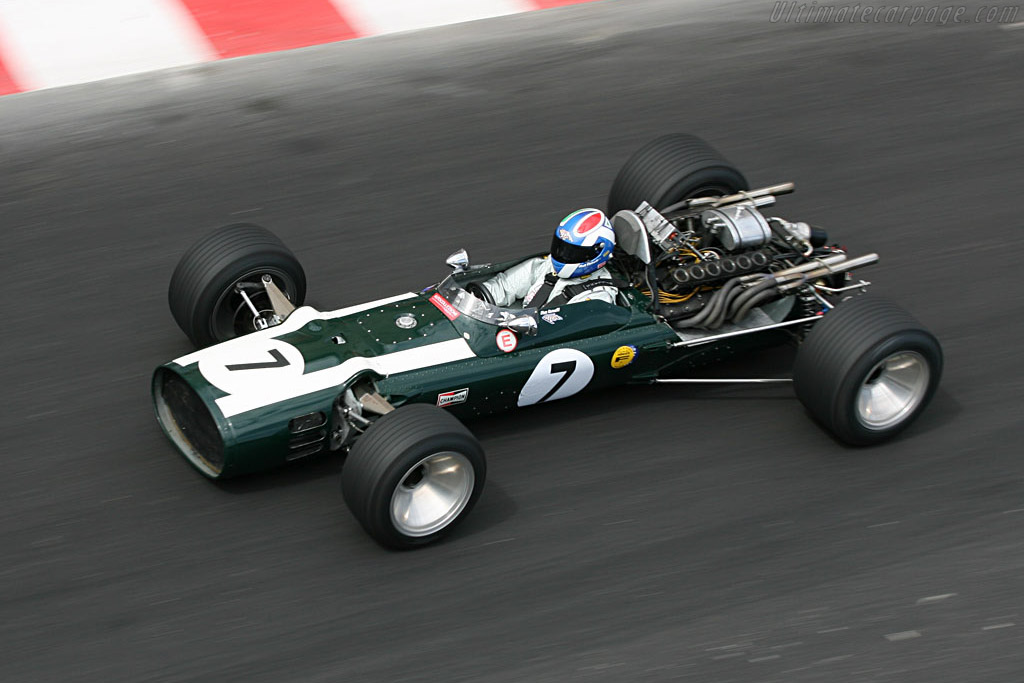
[{"x": 705, "y": 534}]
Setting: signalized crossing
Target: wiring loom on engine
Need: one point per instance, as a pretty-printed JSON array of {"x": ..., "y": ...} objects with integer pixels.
[{"x": 711, "y": 260}]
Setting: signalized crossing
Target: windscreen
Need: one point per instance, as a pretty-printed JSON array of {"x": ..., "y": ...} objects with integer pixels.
[{"x": 477, "y": 309}]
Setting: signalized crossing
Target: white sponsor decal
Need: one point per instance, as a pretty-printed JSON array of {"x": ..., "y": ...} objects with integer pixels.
[
  {"x": 559, "y": 374},
  {"x": 449, "y": 398},
  {"x": 551, "y": 318}
]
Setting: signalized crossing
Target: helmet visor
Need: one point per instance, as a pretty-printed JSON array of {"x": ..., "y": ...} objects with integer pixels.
[{"x": 563, "y": 252}]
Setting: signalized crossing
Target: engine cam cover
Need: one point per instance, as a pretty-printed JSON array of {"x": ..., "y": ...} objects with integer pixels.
[{"x": 737, "y": 227}]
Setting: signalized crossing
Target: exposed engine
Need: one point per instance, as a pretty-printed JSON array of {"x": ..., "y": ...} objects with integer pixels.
[{"x": 717, "y": 258}]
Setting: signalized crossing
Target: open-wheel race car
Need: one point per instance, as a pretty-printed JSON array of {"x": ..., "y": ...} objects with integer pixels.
[{"x": 701, "y": 273}]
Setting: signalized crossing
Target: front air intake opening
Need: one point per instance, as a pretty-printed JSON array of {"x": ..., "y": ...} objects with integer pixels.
[{"x": 188, "y": 422}]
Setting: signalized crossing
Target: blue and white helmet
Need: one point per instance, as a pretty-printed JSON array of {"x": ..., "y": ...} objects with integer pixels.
[{"x": 583, "y": 242}]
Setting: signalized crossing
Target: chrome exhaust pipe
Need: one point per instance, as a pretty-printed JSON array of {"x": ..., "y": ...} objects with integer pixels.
[
  {"x": 828, "y": 269},
  {"x": 817, "y": 263},
  {"x": 787, "y": 273}
]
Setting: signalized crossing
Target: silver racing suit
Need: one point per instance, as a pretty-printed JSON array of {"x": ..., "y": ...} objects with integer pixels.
[{"x": 522, "y": 280}]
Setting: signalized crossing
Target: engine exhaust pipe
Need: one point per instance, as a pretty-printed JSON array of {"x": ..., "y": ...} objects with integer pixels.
[
  {"x": 764, "y": 196},
  {"x": 772, "y": 190},
  {"x": 824, "y": 269},
  {"x": 817, "y": 263}
]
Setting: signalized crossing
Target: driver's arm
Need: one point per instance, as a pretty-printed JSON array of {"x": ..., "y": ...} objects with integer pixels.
[{"x": 511, "y": 285}]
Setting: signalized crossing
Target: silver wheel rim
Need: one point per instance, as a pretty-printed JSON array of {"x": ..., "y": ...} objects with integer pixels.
[
  {"x": 892, "y": 390},
  {"x": 432, "y": 493},
  {"x": 232, "y": 318}
]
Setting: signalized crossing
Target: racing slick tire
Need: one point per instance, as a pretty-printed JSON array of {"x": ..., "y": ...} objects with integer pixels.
[
  {"x": 203, "y": 296},
  {"x": 670, "y": 169},
  {"x": 414, "y": 475},
  {"x": 867, "y": 370}
]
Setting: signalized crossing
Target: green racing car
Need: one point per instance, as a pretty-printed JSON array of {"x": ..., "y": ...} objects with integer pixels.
[{"x": 701, "y": 273}]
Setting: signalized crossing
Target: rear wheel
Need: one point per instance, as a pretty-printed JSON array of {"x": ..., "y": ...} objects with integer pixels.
[
  {"x": 413, "y": 476},
  {"x": 867, "y": 370},
  {"x": 670, "y": 169},
  {"x": 215, "y": 277}
]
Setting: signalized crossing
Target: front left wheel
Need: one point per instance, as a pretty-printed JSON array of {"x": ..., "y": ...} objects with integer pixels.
[
  {"x": 414, "y": 475},
  {"x": 216, "y": 292}
]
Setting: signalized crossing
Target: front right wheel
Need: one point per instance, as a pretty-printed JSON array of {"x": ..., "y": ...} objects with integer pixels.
[
  {"x": 413, "y": 476},
  {"x": 867, "y": 370},
  {"x": 672, "y": 168}
]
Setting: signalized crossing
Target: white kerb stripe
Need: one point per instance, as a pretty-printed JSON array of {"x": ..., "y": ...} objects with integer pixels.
[
  {"x": 374, "y": 16},
  {"x": 48, "y": 43},
  {"x": 387, "y": 364}
]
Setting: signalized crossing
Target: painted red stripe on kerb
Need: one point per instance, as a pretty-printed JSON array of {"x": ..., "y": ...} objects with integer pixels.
[
  {"x": 7, "y": 84},
  {"x": 548, "y": 4},
  {"x": 246, "y": 27}
]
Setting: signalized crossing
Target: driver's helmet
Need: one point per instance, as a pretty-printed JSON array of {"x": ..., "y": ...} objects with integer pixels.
[{"x": 583, "y": 242}]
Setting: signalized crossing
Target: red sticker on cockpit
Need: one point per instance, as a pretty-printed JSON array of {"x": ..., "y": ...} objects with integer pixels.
[
  {"x": 444, "y": 306},
  {"x": 507, "y": 341}
]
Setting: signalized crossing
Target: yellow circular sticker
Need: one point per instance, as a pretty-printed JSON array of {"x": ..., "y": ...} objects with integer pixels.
[{"x": 623, "y": 356}]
